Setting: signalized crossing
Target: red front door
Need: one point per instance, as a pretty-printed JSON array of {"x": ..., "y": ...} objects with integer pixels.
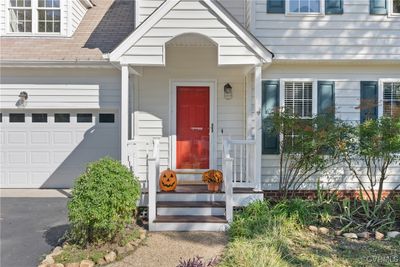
[{"x": 193, "y": 132}]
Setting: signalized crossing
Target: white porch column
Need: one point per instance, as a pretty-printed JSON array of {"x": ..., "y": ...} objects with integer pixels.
[
  {"x": 258, "y": 125},
  {"x": 124, "y": 113}
]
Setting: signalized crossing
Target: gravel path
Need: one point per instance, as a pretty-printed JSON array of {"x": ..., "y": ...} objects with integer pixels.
[{"x": 165, "y": 249}]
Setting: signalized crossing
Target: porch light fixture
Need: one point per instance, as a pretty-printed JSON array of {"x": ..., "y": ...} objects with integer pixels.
[
  {"x": 23, "y": 96},
  {"x": 228, "y": 91}
]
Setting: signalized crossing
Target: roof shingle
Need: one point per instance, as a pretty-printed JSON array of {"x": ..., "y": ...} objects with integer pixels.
[{"x": 103, "y": 27}]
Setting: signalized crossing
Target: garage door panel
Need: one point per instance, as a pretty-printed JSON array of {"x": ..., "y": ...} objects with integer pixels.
[
  {"x": 40, "y": 157},
  {"x": 17, "y": 157},
  {"x": 40, "y": 137},
  {"x": 62, "y": 138},
  {"x": 18, "y": 179},
  {"x": 37, "y": 178},
  {"x": 17, "y": 137}
]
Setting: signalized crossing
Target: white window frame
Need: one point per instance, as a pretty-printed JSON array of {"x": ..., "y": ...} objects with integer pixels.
[
  {"x": 391, "y": 13},
  {"x": 314, "y": 92},
  {"x": 321, "y": 13},
  {"x": 48, "y": 9},
  {"x": 8, "y": 19},
  {"x": 380, "y": 93},
  {"x": 35, "y": 21}
]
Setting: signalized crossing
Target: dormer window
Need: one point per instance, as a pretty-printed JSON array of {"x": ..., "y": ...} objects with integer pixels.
[
  {"x": 49, "y": 13},
  {"x": 34, "y": 16},
  {"x": 20, "y": 15}
]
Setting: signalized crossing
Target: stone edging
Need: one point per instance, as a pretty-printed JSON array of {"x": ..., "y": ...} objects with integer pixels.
[{"x": 108, "y": 258}]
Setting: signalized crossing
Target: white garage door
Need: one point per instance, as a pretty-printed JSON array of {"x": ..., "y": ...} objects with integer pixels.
[{"x": 49, "y": 149}]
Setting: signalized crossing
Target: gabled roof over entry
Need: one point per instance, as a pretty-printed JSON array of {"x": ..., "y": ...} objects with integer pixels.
[{"x": 146, "y": 45}]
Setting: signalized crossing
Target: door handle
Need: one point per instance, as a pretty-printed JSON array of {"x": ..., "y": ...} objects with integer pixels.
[{"x": 196, "y": 128}]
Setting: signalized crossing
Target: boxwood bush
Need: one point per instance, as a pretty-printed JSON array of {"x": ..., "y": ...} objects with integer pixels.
[{"x": 103, "y": 202}]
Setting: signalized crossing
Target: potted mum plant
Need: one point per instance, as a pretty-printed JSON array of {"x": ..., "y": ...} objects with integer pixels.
[{"x": 213, "y": 179}]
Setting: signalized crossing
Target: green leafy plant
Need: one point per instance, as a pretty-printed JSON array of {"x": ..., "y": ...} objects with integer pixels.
[
  {"x": 307, "y": 147},
  {"x": 103, "y": 202},
  {"x": 369, "y": 150}
]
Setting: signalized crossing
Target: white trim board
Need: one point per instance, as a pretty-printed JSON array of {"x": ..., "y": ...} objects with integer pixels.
[{"x": 212, "y": 84}]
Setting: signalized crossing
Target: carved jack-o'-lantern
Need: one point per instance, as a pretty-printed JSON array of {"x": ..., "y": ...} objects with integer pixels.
[{"x": 168, "y": 180}]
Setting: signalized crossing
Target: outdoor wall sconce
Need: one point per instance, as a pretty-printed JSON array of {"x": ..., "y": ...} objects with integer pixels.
[
  {"x": 23, "y": 96},
  {"x": 228, "y": 91}
]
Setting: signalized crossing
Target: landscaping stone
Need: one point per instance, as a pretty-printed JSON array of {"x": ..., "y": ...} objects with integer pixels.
[
  {"x": 120, "y": 250},
  {"x": 48, "y": 260},
  {"x": 338, "y": 233},
  {"x": 393, "y": 234},
  {"x": 313, "y": 228},
  {"x": 110, "y": 257},
  {"x": 72, "y": 264},
  {"x": 56, "y": 265},
  {"x": 364, "y": 235},
  {"x": 350, "y": 235},
  {"x": 135, "y": 243},
  {"x": 43, "y": 265},
  {"x": 101, "y": 261},
  {"x": 56, "y": 251},
  {"x": 86, "y": 263},
  {"x": 323, "y": 230},
  {"x": 379, "y": 235},
  {"x": 129, "y": 247},
  {"x": 142, "y": 236}
]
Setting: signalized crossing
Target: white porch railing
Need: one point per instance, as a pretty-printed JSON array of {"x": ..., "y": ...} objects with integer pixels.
[
  {"x": 243, "y": 163},
  {"x": 153, "y": 174}
]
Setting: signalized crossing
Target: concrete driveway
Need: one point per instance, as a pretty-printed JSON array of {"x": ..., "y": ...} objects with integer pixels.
[{"x": 31, "y": 224}]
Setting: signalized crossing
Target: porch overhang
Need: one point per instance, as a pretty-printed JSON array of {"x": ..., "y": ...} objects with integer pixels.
[{"x": 146, "y": 46}]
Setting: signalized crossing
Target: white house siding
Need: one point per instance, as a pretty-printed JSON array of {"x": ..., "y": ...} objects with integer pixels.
[
  {"x": 188, "y": 17},
  {"x": 187, "y": 64},
  {"x": 354, "y": 35},
  {"x": 2, "y": 17},
  {"x": 347, "y": 97},
  {"x": 51, "y": 155},
  {"x": 77, "y": 12},
  {"x": 235, "y": 7}
]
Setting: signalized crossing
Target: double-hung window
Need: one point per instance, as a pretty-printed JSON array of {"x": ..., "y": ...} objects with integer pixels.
[
  {"x": 304, "y": 7},
  {"x": 20, "y": 15},
  {"x": 49, "y": 14},
  {"x": 34, "y": 16},
  {"x": 298, "y": 101},
  {"x": 395, "y": 7},
  {"x": 391, "y": 99}
]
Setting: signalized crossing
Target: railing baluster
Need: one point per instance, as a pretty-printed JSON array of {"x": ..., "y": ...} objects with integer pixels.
[
  {"x": 241, "y": 163},
  {"x": 234, "y": 164}
]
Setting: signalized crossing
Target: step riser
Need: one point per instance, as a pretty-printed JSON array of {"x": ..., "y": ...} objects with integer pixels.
[
  {"x": 190, "y": 197},
  {"x": 239, "y": 200},
  {"x": 186, "y": 227},
  {"x": 203, "y": 211}
]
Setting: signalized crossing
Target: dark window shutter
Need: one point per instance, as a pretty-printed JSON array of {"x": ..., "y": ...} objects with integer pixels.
[
  {"x": 276, "y": 6},
  {"x": 378, "y": 7},
  {"x": 270, "y": 102},
  {"x": 326, "y": 98},
  {"x": 369, "y": 100},
  {"x": 333, "y": 7}
]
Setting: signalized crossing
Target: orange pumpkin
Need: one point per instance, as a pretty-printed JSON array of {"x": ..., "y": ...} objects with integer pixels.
[{"x": 168, "y": 180}]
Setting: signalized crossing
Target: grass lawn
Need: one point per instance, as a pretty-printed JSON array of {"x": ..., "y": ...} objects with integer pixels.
[{"x": 263, "y": 236}]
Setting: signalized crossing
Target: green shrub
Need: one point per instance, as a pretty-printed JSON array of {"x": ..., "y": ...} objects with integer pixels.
[{"x": 103, "y": 202}]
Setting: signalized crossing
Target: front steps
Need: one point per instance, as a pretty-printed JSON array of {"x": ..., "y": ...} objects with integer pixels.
[{"x": 193, "y": 208}]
